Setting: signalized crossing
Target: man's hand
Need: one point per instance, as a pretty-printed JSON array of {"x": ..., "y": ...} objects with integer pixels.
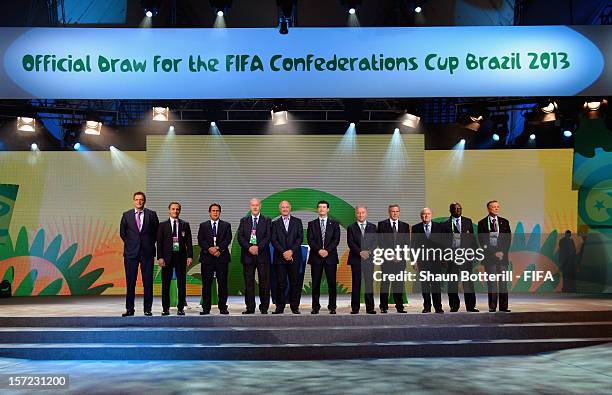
[
  {"x": 499, "y": 255},
  {"x": 364, "y": 254},
  {"x": 253, "y": 250},
  {"x": 213, "y": 250},
  {"x": 161, "y": 262},
  {"x": 189, "y": 260},
  {"x": 288, "y": 255},
  {"x": 323, "y": 253},
  {"x": 217, "y": 254}
]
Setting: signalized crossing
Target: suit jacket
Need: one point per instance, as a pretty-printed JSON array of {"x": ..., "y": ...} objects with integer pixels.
[
  {"x": 285, "y": 240},
  {"x": 437, "y": 239},
  {"x": 332, "y": 239},
  {"x": 468, "y": 239},
  {"x": 356, "y": 242},
  {"x": 503, "y": 241},
  {"x": 263, "y": 233},
  {"x": 386, "y": 237},
  {"x": 141, "y": 243},
  {"x": 164, "y": 241},
  {"x": 205, "y": 241}
]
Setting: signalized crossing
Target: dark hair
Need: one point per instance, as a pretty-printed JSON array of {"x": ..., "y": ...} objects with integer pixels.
[
  {"x": 139, "y": 193},
  {"x": 325, "y": 202},
  {"x": 213, "y": 205},
  {"x": 491, "y": 201},
  {"x": 171, "y": 203}
]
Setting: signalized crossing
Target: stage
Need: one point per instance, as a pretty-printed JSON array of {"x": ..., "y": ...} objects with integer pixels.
[{"x": 81, "y": 328}]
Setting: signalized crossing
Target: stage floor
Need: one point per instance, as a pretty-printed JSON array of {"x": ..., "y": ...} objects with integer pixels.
[{"x": 76, "y": 306}]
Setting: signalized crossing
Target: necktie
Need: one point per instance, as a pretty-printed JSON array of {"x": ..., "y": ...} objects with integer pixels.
[
  {"x": 254, "y": 222},
  {"x": 214, "y": 229},
  {"x": 457, "y": 225},
  {"x": 174, "y": 230},
  {"x": 286, "y": 223},
  {"x": 139, "y": 221},
  {"x": 394, "y": 227},
  {"x": 323, "y": 231},
  {"x": 362, "y": 230},
  {"x": 427, "y": 230},
  {"x": 494, "y": 226}
]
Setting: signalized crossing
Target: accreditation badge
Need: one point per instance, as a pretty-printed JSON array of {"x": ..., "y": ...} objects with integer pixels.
[
  {"x": 493, "y": 239},
  {"x": 175, "y": 244},
  {"x": 253, "y": 239},
  {"x": 456, "y": 240},
  {"x": 214, "y": 241}
]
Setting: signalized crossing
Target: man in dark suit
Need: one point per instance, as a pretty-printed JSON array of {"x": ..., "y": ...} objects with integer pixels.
[
  {"x": 494, "y": 235},
  {"x": 287, "y": 237},
  {"x": 254, "y": 233},
  {"x": 361, "y": 239},
  {"x": 323, "y": 238},
  {"x": 393, "y": 232},
  {"x": 567, "y": 260},
  {"x": 138, "y": 230},
  {"x": 214, "y": 238},
  {"x": 174, "y": 253},
  {"x": 460, "y": 230},
  {"x": 428, "y": 236}
]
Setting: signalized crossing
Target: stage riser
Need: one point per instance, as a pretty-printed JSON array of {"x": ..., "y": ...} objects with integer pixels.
[
  {"x": 306, "y": 335},
  {"x": 308, "y": 320},
  {"x": 461, "y": 349}
]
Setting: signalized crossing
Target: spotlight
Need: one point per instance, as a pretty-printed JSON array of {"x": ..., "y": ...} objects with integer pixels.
[
  {"x": 548, "y": 107},
  {"x": 112, "y": 148},
  {"x": 351, "y": 11},
  {"x": 213, "y": 124},
  {"x": 161, "y": 113},
  {"x": 567, "y": 133},
  {"x": 220, "y": 6},
  {"x": 26, "y": 124},
  {"x": 592, "y": 105},
  {"x": 495, "y": 137},
  {"x": 150, "y": 7},
  {"x": 411, "y": 120},
  {"x": 396, "y": 130},
  {"x": 34, "y": 147},
  {"x": 417, "y": 9},
  {"x": 286, "y": 9},
  {"x": 279, "y": 114},
  {"x": 77, "y": 146},
  {"x": 352, "y": 124},
  {"x": 462, "y": 141},
  {"x": 476, "y": 118},
  {"x": 93, "y": 127},
  {"x": 532, "y": 136}
]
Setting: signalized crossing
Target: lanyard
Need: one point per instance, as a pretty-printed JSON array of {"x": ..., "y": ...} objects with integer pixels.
[{"x": 489, "y": 224}]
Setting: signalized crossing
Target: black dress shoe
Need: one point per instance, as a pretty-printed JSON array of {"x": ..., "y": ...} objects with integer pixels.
[
  {"x": 224, "y": 312},
  {"x": 248, "y": 312},
  {"x": 371, "y": 312},
  {"x": 278, "y": 312},
  {"x": 383, "y": 311},
  {"x": 439, "y": 311},
  {"x": 181, "y": 312},
  {"x": 474, "y": 310},
  {"x": 296, "y": 311},
  {"x": 491, "y": 310},
  {"x": 165, "y": 313},
  {"x": 148, "y": 313},
  {"x": 332, "y": 311},
  {"x": 454, "y": 309},
  {"x": 204, "y": 312},
  {"x": 314, "y": 311},
  {"x": 401, "y": 311},
  {"x": 504, "y": 310},
  {"x": 128, "y": 314},
  {"x": 426, "y": 310},
  {"x": 263, "y": 311},
  {"x": 354, "y": 311}
]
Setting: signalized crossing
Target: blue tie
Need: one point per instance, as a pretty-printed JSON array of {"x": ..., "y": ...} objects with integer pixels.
[{"x": 214, "y": 229}]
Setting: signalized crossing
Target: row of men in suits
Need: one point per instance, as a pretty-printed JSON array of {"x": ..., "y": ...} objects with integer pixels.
[{"x": 140, "y": 231}]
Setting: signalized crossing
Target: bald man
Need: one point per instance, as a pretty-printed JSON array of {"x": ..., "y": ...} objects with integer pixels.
[
  {"x": 254, "y": 233},
  {"x": 427, "y": 234}
]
